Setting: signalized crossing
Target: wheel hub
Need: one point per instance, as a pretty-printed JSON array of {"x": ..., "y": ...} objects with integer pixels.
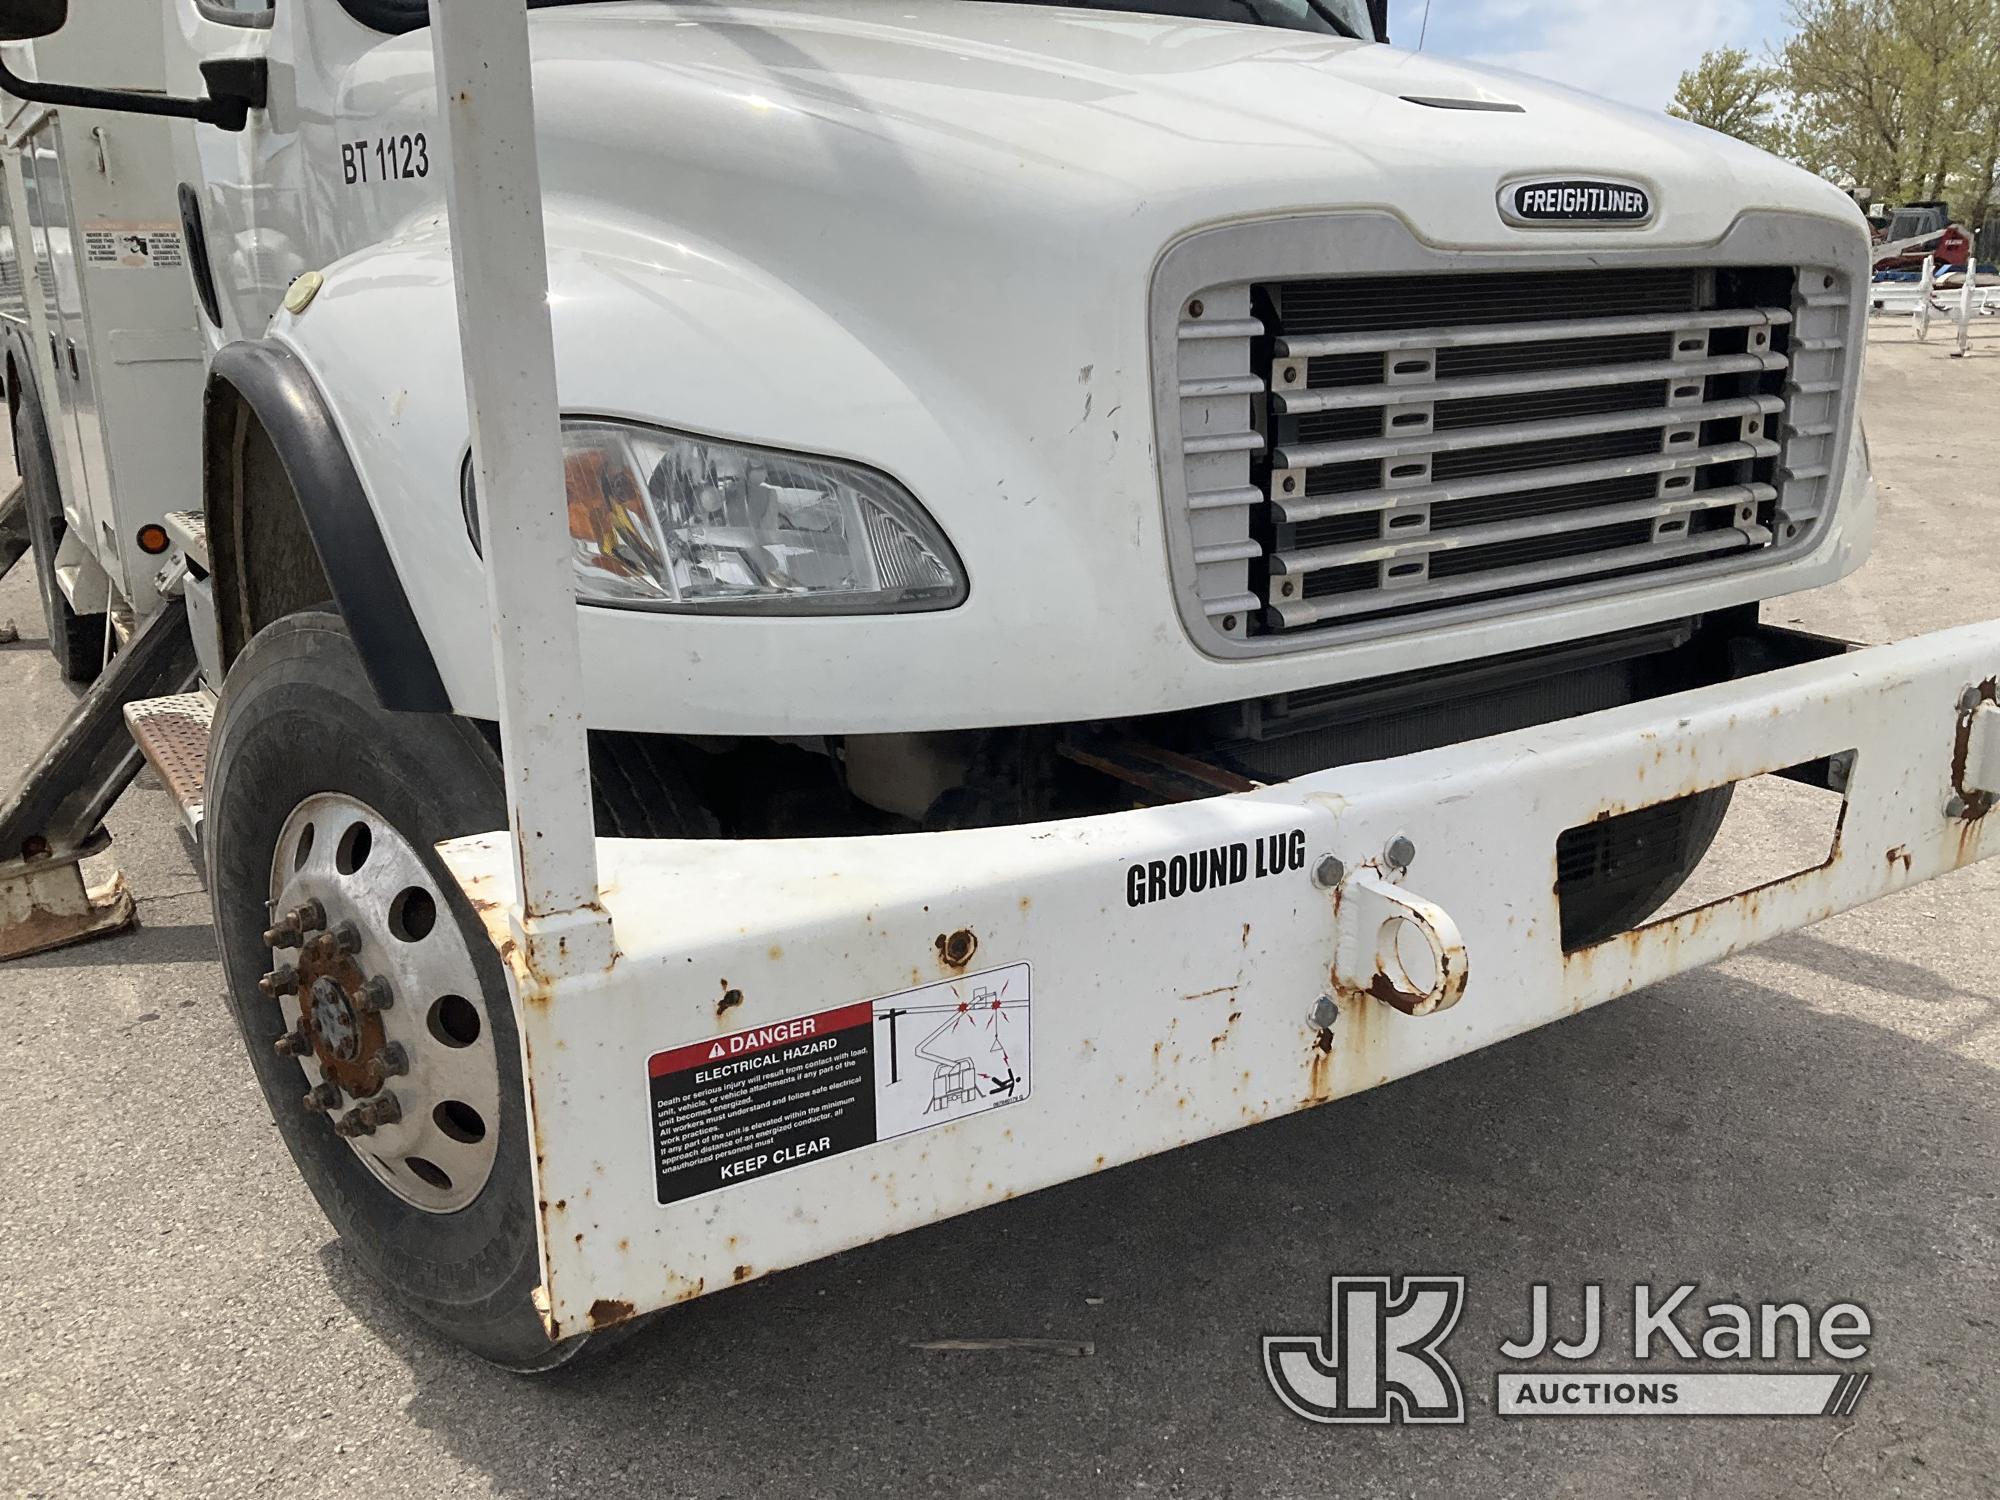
[
  {"x": 383, "y": 1006},
  {"x": 333, "y": 1019}
]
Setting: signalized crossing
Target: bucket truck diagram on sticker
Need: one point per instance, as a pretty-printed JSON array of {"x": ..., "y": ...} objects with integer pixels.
[
  {"x": 730, "y": 1108},
  {"x": 952, "y": 1049}
]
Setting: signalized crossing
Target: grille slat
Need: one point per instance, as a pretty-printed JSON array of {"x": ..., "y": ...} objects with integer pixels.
[
  {"x": 1565, "y": 378},
  {"x": 1556, "y": 523},
  {"x": 1381, "y": 341},
  {"x": 1312, "y": 455},
  {"x": 1645, "y": 555},
  {"x": 1562, "y": 476}
]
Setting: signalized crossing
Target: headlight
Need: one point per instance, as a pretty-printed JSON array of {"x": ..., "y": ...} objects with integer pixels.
[{"x": 661, "y": 520}]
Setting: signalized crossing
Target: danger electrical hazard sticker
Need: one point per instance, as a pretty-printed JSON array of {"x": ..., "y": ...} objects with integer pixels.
[{"x": 733, "y": 1108}]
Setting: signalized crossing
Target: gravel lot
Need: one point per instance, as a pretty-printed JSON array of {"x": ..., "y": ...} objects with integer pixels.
[{"x": 1815, "y": 1120}]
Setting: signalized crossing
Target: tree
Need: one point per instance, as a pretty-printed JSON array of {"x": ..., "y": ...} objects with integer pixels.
[
  {"x": 1900, "y": 96},
  {"x": 1727, "y": 92}
]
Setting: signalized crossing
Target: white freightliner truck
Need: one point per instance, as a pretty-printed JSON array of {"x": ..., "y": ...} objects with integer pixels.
[{"x": 1138, "y": 566}]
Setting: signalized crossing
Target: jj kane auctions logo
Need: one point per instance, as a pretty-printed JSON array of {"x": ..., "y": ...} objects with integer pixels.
[{"x": 1382, "y": 1359}]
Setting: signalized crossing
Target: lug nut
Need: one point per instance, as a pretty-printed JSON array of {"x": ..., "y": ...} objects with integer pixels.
[
  {"x": 322, "y": 948},
  {"x": 307, "y": 916},
  {"x": 366, "y": 1118},
  {"x": 283, "y": 980},
  {"x": 1329, "y": 872},
  {"x": 1400, "y": 852},
  {"x": 293, "y": 1044},
  {"x": 391, "y": 1062},
  {"x": 374, "y": 995},
  {"x": 1324, "y": 1013},
  {"x": 323, "y": 1096},
  {"x": 347, "y": 938},
  {"x": 284, "y": 935}
]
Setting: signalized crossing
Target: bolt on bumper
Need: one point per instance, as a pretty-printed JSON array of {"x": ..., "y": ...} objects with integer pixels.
[{"x": 1277, "y": 970}]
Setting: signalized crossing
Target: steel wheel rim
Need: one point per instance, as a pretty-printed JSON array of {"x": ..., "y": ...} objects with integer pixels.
[{"x": 429, "y": 1132}]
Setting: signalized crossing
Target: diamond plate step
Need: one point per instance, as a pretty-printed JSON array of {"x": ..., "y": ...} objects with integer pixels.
[
  {"x": 189, "y": 530},
  {"x": 172, "y": 733}
]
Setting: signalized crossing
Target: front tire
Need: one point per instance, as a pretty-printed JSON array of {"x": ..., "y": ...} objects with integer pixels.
[{"x": 321, "y": 802}]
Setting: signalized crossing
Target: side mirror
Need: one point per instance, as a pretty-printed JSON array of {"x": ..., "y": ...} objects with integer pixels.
[
  {"x": 24, "y": 20},
  {"x": 236, "y": 85}
]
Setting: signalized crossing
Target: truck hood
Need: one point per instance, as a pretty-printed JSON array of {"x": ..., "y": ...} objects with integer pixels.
[{"x": 902, "y": 105}]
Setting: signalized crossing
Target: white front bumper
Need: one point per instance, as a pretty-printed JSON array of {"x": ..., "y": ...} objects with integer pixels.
[{"x": 1156, "y": 1024}]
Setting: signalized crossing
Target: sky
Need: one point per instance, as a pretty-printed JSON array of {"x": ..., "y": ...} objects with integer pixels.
[{"x": 1633, "y": 51}]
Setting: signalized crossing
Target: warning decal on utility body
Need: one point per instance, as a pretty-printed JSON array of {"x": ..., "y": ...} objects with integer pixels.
[
  {"x": 132, "y": 247},
  {"x": 735, "y": 1107}
]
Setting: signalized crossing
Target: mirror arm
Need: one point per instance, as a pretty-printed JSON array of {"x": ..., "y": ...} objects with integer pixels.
[{"x": 236, "y": 86}]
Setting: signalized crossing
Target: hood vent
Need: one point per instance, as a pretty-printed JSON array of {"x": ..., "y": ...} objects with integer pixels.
[{"x": 1490, "y": 106}]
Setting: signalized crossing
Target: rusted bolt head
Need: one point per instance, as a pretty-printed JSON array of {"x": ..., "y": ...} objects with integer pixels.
[
  {"x": 322, "y": 1096},
  {"x": 1329, "y": 872},
  {"x": 374, "y": 995},
  {"x": 1399, "y": 853},
  {"x": 293, "y": 1044},
  {"x": 391, "y": 1062},
  {"x": 386, "y": 1110},
  {"x": 354, "y": 1122},
  {"x": 1955, "y": 806},
  {"x": 283, "y": 980},
  {"x": 307, "y": 916},
  {"x": 1969, "y": 700},
  {"x": 1324, "y": 1013},
  {"x": 322, "y": 947},
  {"x": 284, "y": 935}
]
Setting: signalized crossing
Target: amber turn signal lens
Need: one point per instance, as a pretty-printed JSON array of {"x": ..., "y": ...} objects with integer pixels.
[{"x": 153, "y": 538}]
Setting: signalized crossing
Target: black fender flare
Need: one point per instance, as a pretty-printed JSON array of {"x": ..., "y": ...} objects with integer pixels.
[{"x": 284, "y": 398}]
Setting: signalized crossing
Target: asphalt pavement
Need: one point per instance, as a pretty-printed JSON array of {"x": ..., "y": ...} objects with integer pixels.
[{"x": 1814, "y": 1121}]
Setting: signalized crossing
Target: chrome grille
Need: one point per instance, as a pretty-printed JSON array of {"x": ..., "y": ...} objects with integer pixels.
[{"x": 1358, "y": 449}]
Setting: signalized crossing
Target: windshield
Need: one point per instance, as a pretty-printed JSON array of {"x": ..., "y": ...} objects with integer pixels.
[{"x": 1327, "y": 17}]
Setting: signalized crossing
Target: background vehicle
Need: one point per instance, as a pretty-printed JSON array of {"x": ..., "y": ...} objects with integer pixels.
[{"x": 1022, "y": 569}]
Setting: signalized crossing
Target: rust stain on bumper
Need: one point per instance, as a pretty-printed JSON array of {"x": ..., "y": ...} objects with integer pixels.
[
  {"x": 608, "y": 1312},
  {"x": 956, "y": 949}
]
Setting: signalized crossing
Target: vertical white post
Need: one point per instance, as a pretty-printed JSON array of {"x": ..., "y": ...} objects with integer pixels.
[
  {"x": 500, "y": 260},
  {"x": 1965, "y": 303}
]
